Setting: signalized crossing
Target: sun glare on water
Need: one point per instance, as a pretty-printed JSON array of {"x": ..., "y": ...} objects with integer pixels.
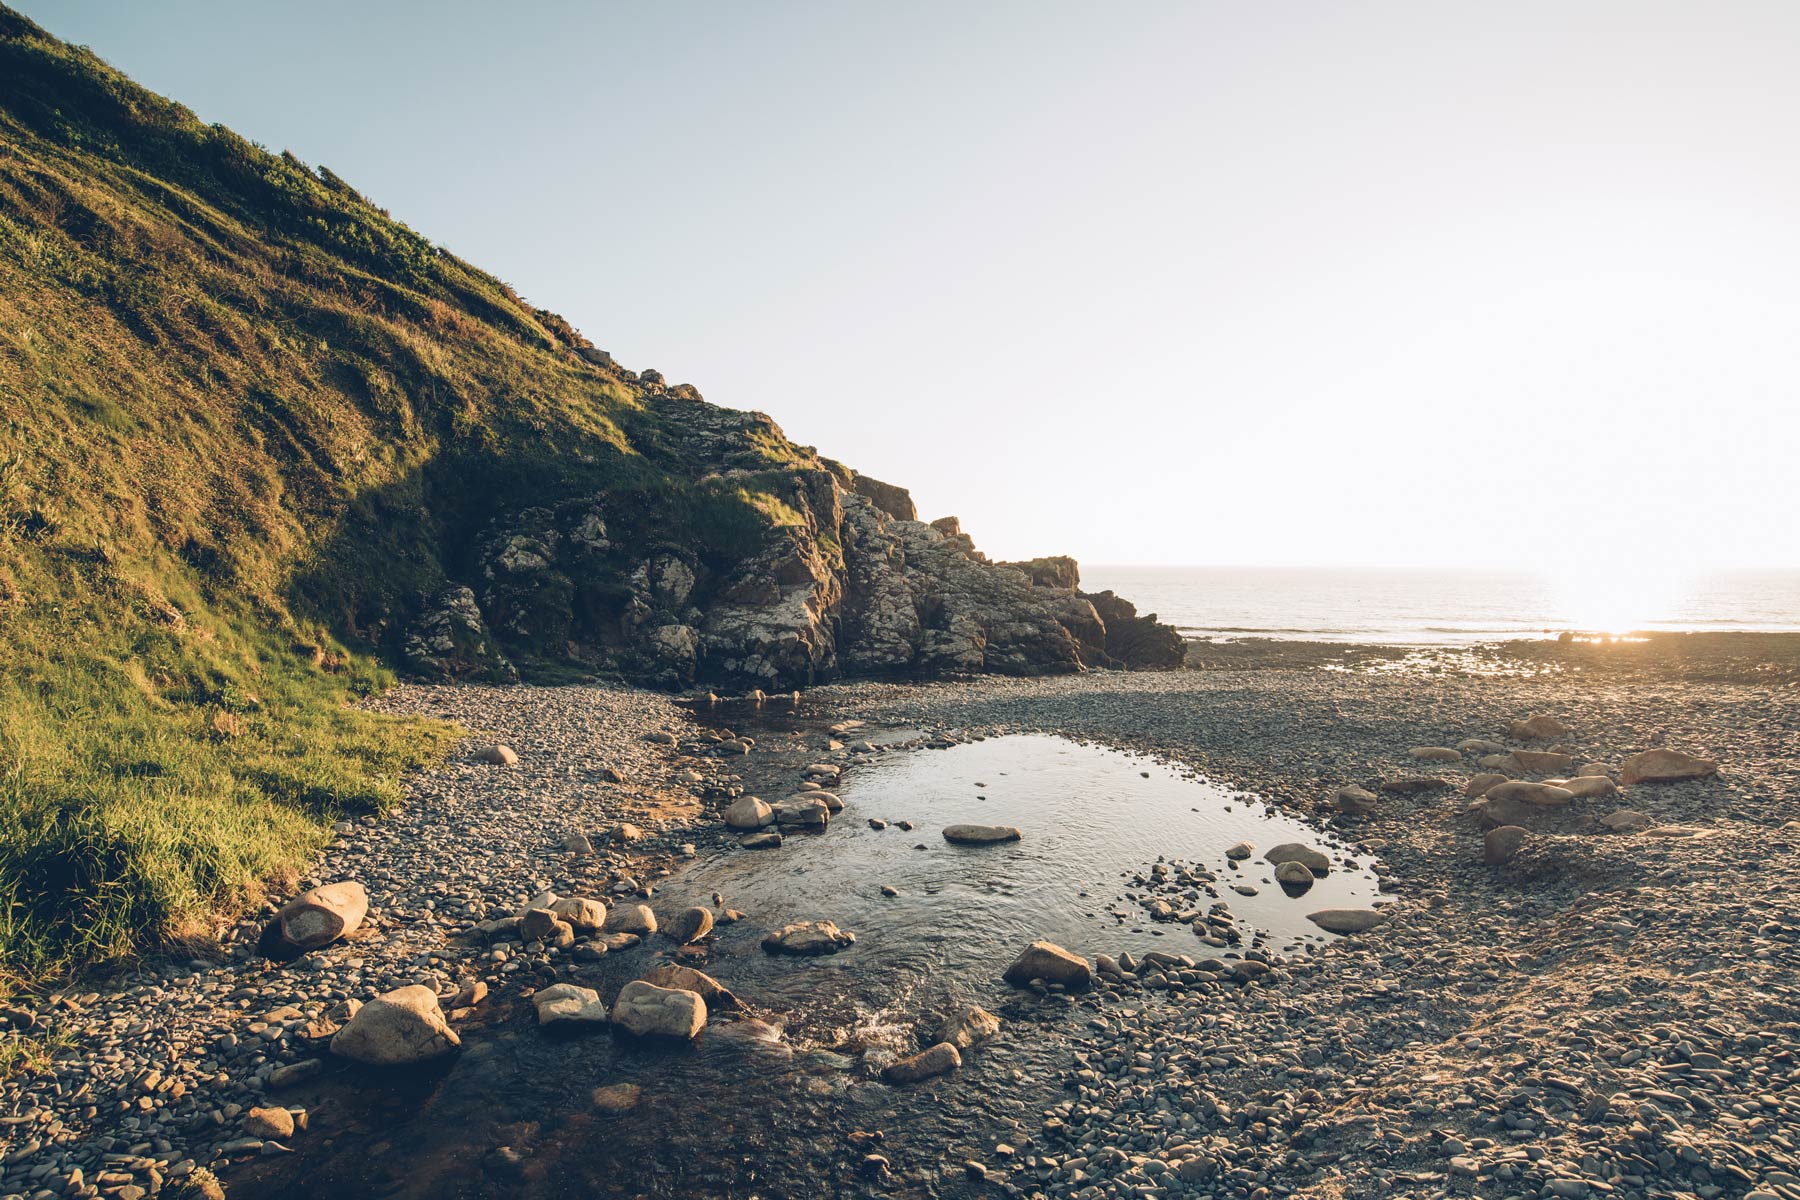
[{"x": 1617, "y": 598}]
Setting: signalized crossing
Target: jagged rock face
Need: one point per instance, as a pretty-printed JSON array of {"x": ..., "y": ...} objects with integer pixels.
[
  {"x": 1136, "y": 641},
  {"x": 818, "y": 573}
]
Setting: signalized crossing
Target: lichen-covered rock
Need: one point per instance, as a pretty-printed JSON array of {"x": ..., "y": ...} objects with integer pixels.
[{"x": 450, "y": 640}]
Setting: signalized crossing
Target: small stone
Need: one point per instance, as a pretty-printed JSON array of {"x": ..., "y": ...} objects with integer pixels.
[
  {"x": 1346, "y": 920},
  {"x": 267, "y": 1123},
  {"x": 498, "y": 755},
  {"x": 1501, "y": 844},
  {"x": 938, "y": 1060}
]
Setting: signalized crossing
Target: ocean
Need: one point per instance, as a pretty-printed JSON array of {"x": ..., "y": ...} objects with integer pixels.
[{"x": 1446, "y": 607}]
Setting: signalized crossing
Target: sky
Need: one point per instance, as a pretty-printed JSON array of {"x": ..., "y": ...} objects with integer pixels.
[{"x": 1422, "y": 284}]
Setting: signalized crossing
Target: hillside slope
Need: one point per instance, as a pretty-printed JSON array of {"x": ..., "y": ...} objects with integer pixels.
[{"x": 257, "y": 438}]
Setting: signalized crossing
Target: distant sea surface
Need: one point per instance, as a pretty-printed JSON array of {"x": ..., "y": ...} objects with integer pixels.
[{"x": 1439, "y": 607}]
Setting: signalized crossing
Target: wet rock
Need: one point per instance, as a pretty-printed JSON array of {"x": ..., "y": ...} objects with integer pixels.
[
  {"x": 980, "y": 835},
  {"x": 1306, "y": 856},
  {"x": 566, "y": 1004},
  {"x": 277, "y": 1123},
  {"x": 539, "y": 924},
  {"x": 963, "y": 1030},
  {"x": 294, "y": 1074},
  {"x": 941, "y": 1059},
  {"x": 1240, "y": 851},
  {"x": 803, "y": 811},
  {"x": 769, "y": 840},
  {"x": 322, "y": 915},
  {"x": 1355, "y": 801},
  {"x": 1543, "y": 795},
  {"x": 1499, "y": 845},
  {"x": 1346, "y": 920},
  {"x": 498, "y": 756},
  {"x": 646, "y": 1010},
  {"x": 614, "y": 942},
  {"x": 717, "y": 996},
  {"x": 1294, "y": 875},
  {"x": 397, "y": 1028},
  {"x": 689, "y": 925},
  {"x": 1665, "y": 766},
  {"x": 1052, "y": 964},
  {"x": 808, "y": 938},
  {"x": 877, "y": 823},
  {"x": 748, "y": 812},
  {"x": 1536, "y": 727},
  {"x": 632, "y": 918},
  {"x": 617, "y": 1097}
]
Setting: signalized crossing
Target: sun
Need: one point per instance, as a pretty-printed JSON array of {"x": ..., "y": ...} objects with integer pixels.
[{"x": 1618, "y": 597}]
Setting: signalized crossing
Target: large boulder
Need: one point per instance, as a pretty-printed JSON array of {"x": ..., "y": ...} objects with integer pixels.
[
  {"x": 896, "y": 502},
  {"x": 322, "y": 915},
  {"x": 1052, "y": 964},
  {"x": 450, "y": 640},
  {"x": 397, "y": 1028},
  {"x": 632, "y": 918},
  {"x": 748, "y": 812},
  {"x": 650, "y": 1011},
  {"x": 1665, "y": 766},
  {"x": 1500, "y": 844},
  {"x": 1544, "y": 795},
  {"x": 688, "y": 925}
]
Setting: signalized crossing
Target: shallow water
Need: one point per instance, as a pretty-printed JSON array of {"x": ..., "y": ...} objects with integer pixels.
[{"x": 734, "y": 1116}]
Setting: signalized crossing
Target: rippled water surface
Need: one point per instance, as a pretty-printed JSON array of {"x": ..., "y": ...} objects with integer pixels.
[{"x": 733, "y": 1115}]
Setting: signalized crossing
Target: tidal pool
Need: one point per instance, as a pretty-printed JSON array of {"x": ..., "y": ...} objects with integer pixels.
[{"x": 732, "y": 1115}]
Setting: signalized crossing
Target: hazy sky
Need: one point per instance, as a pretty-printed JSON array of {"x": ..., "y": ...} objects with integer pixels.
[{"x": 1382, "y": 283}]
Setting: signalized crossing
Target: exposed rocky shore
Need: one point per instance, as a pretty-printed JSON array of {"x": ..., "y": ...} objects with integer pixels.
[{"x": 1610, "y": 1011}]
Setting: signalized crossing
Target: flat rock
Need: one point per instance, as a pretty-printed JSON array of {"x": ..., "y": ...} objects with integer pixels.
[
  {"x": 617, "y": 1097},
  {"x": 1355, "y": 801},
  {"x": 1409, "y": 785},
  {"x": 1537, "y": 727},
  {"x": 1543, "y": 762},
  {"x": 1346, "y": 920},
  {"x": 808, "y": 938},
  {"x": 1544, "y": 795},
  {"x": 1665, "y": 766},
  {"x": 980, "y": 835},
  {"x": 1436, "y": 754},
  {"x": 1589, "y": 787},
  {"x": 1479, "y": 785}
]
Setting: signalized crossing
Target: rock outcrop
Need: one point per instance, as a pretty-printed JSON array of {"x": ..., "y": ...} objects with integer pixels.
[{"x": 768, "y": 570}]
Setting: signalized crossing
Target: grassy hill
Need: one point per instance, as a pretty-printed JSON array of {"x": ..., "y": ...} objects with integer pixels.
[{"x": 245, "y": 416}]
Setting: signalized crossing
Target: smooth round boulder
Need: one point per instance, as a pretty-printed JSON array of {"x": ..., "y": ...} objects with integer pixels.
[
  {"x": 1295, "y": 852},
  {"x": 1346, "y": 920},
  {"x": 1355, "y": 801},
  {"x": 397, "y": 1029},
  {"x": 1240, "y": 851},
  {"x": 748, "y": 812},
  {"x": 1294, "y": 875},
  {"x": 689, "y": 925},
  {"x": 632, "y": 918},
  {"x": 322, "y": 915},
  {"x": 941, "y": 1059},
  {"x": 585, "y": 916},
  {"x": 1589, "y": 787},
  {"x": 1052, "y": 964},
  {"x": 980, "y": 835},
  {"x": 1665, "y": 766},
  {"x": 498, "y": 756},
  {"x": 645, "y": 1010}
]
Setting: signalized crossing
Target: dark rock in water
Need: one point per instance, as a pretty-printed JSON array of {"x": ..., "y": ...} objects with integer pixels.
[
  {"x": 980, "y": 835},
  {"x": 1141, "y": 643},
  {"x": 938, "y": 1060}
]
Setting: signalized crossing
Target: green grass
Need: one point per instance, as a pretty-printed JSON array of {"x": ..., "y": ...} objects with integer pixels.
[
  {"x": 246, "y": 421},
  {"x": 28, "y": 1054}
]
